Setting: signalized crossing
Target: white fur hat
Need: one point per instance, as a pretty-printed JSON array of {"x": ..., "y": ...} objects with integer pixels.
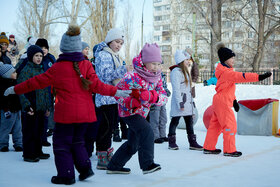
[
  {"x": 181, "y": 55},
  {"x": 114, "y": 34}
]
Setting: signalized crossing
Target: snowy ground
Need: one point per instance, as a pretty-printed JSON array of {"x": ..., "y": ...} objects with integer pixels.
[{"x": 258, "y": 167}]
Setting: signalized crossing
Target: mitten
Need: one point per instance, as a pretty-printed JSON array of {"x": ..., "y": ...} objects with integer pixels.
[
  {"x": 135, "y": 93},
  {"x": 123, "y": 93},
  {"x": 264, "y": 76},
  {"x": 9, "y": 91},
  {"x": 235, "y": 105},
  {"x": 132, "y": 103},
  {"x": 150, "y": 96}
]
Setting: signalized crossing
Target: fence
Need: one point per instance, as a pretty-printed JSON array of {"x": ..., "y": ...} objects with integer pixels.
[{"x": 273, "y": 80}]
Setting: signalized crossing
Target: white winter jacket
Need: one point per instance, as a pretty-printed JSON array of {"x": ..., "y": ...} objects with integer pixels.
[{"x": 181, "y": 94}]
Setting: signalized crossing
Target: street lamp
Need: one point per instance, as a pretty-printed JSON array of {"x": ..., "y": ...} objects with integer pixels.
[{"x": 142, "y": 24}]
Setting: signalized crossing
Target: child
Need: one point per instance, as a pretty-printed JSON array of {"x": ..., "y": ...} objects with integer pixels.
[
  {"x": 47, "y": 62},
  {"x": 35, "y": 106},
  {"x": 158, "y": 117},
  {"x": 147, "y": 84},
  {"x": 223, "y": 119},
  {"x": 181, "y": 101},
  {"x": 74, "y": 80},
  {"x": 10, "y": 110},
  {"x": 109, "y": 69}
]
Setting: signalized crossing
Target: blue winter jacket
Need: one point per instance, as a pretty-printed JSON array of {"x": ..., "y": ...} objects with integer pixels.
[{"x": 107, "y": 72}]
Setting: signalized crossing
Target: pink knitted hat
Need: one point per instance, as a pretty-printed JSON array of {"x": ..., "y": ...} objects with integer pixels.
[{"x": 151, "y": 53}]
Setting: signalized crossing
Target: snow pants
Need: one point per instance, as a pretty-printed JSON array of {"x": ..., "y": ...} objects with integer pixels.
[
  {"x": 222, "y": 121},
  {"x": 158, "y": 120},
  {"x": 69, "y": 149},
  {"x": 140, "y": 138}
]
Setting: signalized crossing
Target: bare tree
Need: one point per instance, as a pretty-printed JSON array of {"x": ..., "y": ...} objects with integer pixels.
[
  {"x": 209, "y": 14},
  {"x": 36, "y": 16},
  {"x": 268, "y": 22},
  {"x": 102, "y": 18},
  {"x": 128, "y": 31}
]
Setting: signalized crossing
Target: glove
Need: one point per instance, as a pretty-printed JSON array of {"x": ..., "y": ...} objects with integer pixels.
[
  {"x": 135, "y": 93},
  {"x": 123, "y": 93},
  {"x": 9, "y": 91},
  {"x": 235, "y": 105},
  {"x": 264, "y": 76},
  {"x": 150, "y": 96},
  {"x": 132, "y": 103}
]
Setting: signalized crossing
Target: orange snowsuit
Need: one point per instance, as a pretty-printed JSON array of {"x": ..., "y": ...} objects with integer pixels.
[{"x": 223, "y": 119}]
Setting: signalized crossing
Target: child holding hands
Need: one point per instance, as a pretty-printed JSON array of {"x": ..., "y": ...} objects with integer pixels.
[{"x": 147, "y": 89}]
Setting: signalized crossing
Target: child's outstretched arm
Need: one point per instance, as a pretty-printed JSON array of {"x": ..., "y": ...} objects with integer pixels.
[{"x": 240, "y": 77}]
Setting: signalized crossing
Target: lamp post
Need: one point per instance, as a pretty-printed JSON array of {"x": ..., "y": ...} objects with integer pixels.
[{"x": 142, "y": 24}]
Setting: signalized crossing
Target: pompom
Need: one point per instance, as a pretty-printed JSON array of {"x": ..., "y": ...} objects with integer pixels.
[
  {"x": 220, "y": 45},
  {"x": 3, "y": 33},
  {"x": 73, "y": 30}
]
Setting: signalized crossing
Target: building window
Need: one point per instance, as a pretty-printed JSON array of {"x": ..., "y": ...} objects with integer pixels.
[
  {"x": 165, "y": 48},
  {"x": 167, "y": 7},
  {"x": 156, "y": 38},
  {"x": 157, "y": 1},
  {"x": 158, "y": 8},
  {"x": 158, "y": 18},
  {"x": 166, "y": 27},
  {"x": 227, "y": 24},
  {"x": 166, "y": 17},
  {"x": 238, "y": 34},
  {"x": 157, "y": 28}
]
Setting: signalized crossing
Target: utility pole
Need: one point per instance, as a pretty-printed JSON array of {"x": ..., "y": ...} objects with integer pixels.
[{"x": 142, "y": 24}]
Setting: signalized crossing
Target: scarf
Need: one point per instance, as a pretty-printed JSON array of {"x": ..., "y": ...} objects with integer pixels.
[
  {"x": 117, "y": 61},
  {"x": 72, "y": 57}
]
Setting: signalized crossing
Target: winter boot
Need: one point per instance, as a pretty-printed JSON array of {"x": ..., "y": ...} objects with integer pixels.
[
  {"x": 172, "y": 143},
  {"x": 116, "y": 136},
  {"x": 214, "y": 152},
  {"x": 86, "y": 173},
  {"x": 158, "y": 140},
  {"x": 63, "y": 180},
  {"x": 118, "y": 171},
  {"x": 193, "y": 144},
  {"x": 104, "y": 158},
  {"x": 204, "y": 83},
  {"x": 234, "y": 154},
  {"x": 152, "y": 168}
]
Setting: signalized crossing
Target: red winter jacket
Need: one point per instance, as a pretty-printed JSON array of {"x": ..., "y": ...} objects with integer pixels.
[{"x": 75, "y": 104}]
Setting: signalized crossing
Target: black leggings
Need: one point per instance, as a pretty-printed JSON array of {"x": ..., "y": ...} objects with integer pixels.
[{"x": 175, "y": 121}]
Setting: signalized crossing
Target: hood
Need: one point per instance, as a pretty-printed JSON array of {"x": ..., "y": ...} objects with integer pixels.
[
  {"x": 100, "y": 47},
  {"x": 137, "y": 63},
  {"x": 172, "y": 67}
]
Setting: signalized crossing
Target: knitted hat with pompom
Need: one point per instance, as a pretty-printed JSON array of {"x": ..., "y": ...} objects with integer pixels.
[
  {"x": 71, "y": 40},
  {"x": 224, "y": 53},
  {"x": 3, "y": 38}
]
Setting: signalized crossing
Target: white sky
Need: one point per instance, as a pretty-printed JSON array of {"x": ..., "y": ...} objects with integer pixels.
[{"x": 9, "y": 8}]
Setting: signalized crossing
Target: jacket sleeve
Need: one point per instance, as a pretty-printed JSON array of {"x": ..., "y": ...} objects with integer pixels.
[
  {"x": 98, "y": 86},
  {"x": 105, "y": 68},
  {"x": 175, "y": 82},
  {"x": 129, "y": 82},
  {"x": 38, "y": 82},
  {"x": 162, "y": 96},
  {"x": 239, "y": 77}
]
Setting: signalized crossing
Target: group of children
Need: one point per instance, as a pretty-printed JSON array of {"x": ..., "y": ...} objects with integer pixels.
[{"x": 122, "y": 91}]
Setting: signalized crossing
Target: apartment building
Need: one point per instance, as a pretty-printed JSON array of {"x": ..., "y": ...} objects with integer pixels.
[{"x": 175, "y": 21}]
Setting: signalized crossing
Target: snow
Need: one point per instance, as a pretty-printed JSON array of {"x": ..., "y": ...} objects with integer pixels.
[{"x": 258, "y": 166}]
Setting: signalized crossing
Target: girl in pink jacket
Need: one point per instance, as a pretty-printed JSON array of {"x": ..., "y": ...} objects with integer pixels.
[{"x": 146, "y": 83}]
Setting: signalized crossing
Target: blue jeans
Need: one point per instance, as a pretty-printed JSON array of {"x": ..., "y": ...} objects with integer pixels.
[
  {"x": 13, "y": 125},
  {"x": 141, "y": 139}
]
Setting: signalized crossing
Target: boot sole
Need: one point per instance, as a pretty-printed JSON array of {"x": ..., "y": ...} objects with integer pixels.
[
  {"x": 195, "y": 148},
  {"x": 152, "y": 170},
  {"x": 101, "y": 167},
  {"x": 117, "y": 172},
  {"x": 211, "y": 153},
  {"x": 175, "y": 148},
  {"x": 231, "y": 155}
]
